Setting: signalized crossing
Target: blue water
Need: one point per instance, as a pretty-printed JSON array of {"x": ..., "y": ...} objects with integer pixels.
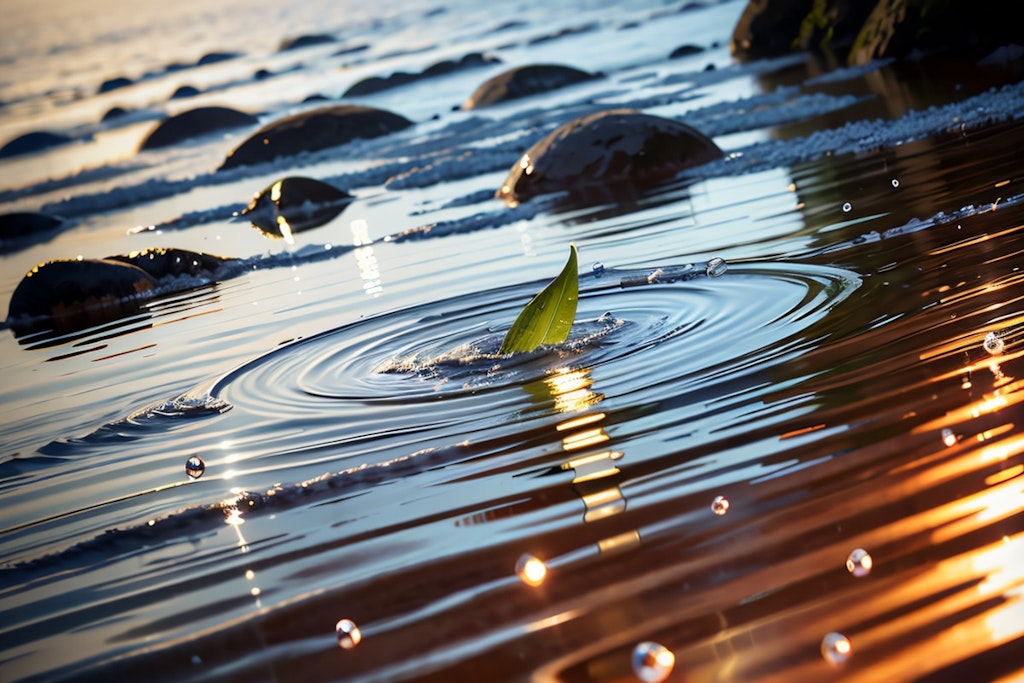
[{"x": 367, "y": 453}]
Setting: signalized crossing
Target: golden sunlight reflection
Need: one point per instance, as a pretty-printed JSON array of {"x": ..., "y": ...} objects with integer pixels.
[
  {"x": 531, "y": 570},
  {"x": 366, "y": 260},
  {"x": 571, "y": 390}
]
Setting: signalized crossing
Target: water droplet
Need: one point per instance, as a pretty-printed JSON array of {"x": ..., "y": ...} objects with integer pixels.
[
  {"x": 846, "y": 207},
  {"x": 348, "y": 634},
  {"x": 859, "y": 562},
  {"x": 716, "y": 267},
  {"x": 194, "y": 467},
  {"x": 531, "y": 570},
  {"x": 993, "y": 344},
  {"x": 652, "y": 662},
  {"x": 836, "y": 648},
  {"x": 720, "y": 505},
  {"x": 949, "y": 438},
  {"x": 598, "y": 269},
  {"x": 895, "y": 182}
]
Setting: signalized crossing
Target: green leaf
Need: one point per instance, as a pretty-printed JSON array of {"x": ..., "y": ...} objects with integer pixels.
[{"x": 548, "y": 317}]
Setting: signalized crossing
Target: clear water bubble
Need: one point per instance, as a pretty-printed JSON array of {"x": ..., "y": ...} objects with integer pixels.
[
  {"x": 194, "y": 467},
  {"x": 531, "y": 570},
  {"x": 895, "y": 182},
  {"x": 836, "y": 648},
  {"x": 652, "y": 662},
  {"x": 949, "y": 438},
  {"x": 598, "y": 269},
  {"x": 716, "y": 267},
  {"x": 993, "y": 344},
  {"x": 720, "y": 505},
  {"x": 348, "y": 634},
  {"x": 847, "y": 206},
  {"x": 859, "y": 562}
]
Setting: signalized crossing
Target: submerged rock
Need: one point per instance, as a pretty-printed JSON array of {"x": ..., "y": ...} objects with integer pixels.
[
  {"x": 184, "y": 91},
  {"x": 374, "y": 84},
  {"x": 305, "y": 41},
  {"x": 35, "y": 141},
  {"x": 193, "y": 123},
  {"x": 214, "y": 57},
  {"x": 608, "y": 148},
  {"x": 314, "y": 130},
  {"x": 77, "y": 293},
  {"x": 523, "y": 81},
  {"x": 294, "y": 204},
  {"x": 115, "y": 84},
  {"x": 20, "y": 229}
]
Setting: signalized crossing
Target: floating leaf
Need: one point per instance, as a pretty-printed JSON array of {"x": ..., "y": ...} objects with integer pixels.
[{"x": 548, "y": 317}]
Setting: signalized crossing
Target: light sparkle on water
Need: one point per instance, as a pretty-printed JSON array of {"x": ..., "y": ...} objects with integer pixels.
[{"x": 652, "y": 662}]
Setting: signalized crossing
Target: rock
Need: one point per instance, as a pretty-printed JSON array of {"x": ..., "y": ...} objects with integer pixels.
[
  {"x": 113, "y": 113},
  {"x": 305, "y": 41},
  {"x": 194, "y": 123},
  {"x": 374, "y": 84},
  {"x": 862, "y": 31},
  {"x": 64, "y": 287},
  {"x": 214, "y": 57},
  {"x": 114, "y": 84},
  {"x": 294, "y": 204},
  {"x": 20, "y": 229},
  {"x": 523, "y": 81},
  {"x": 617, "y": 147},
  {"x": 184, "y": 91},
  {"x": 78, "y": 293},
  {"x": 35, "y": 141},
  {"x": 685, "y": 51},
  {"x": 161, "y": 262},
  {"x": 314, "y": 130}
]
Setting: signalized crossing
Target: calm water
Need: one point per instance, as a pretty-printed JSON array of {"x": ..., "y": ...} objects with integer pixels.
[{"x": 807, "y": 467}]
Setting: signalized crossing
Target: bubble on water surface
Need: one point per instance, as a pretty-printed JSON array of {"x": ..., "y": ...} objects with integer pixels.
[
  {"x": 993, "y": 344},
  {"x": 847, "y": 206},
  {"x": 859, "y": 562},
  {"x": 720, "y": 505},
  {"x": 716, "y": 267},
  {"x": 836, "y": 648},
  {"x": 895, "y": 182},
  {"x": 652, "y": 662},
  {"x": 531, "y": 570},
  {"x": 598, "y": 269},
  {"x": 194, "y": 467},
  {"x": 949, "y": 437},
  {"x": 348, "y": 634}
]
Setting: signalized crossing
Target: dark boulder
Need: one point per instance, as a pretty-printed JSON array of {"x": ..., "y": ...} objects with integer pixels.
[
  {"x": 294, "y": 204},
  {"x": 859, "y": 32},
  {"x": 114, "y": 84},
  {"x": 184, "y": 91},
  {"x": 314, "y": 130},
  {"x": 214, "y": 57},
  {"x": 614, "y": 147},
  {"x": 162, "y": 262},
  {"x": 305, "y": 41},
  {"x": 77, "y": 293},
  {"x": 194, "y": 123},
  {"x": 67, "y": 287},
  {"x": 523, "y": 81},
  {"x": 35, "y": 141},
  {"x": 22, "y": 228},
  {"x": 375, "y": 84}
]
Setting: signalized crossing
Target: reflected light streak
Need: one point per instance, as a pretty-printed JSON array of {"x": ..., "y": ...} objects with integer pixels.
[{"x": 584, "y": 439}]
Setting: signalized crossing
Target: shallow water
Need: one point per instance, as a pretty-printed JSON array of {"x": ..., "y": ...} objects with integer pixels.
[{"x": 851, "y": 381}]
